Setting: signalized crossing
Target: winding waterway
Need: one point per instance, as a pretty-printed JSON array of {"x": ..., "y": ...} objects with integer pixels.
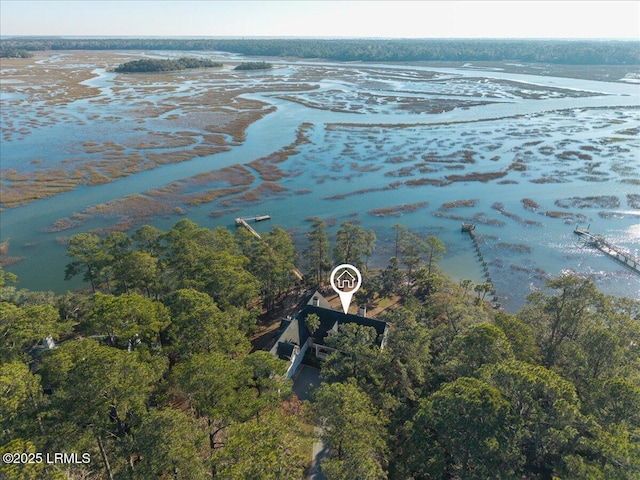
[{"x": 530, "y": 139}]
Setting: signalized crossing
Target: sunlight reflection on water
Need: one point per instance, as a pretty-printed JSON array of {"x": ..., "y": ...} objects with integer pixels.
[{"x": 633, "y": 232}]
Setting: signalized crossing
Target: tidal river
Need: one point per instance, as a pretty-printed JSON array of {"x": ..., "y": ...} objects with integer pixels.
[{"x": 524, "y": 157}]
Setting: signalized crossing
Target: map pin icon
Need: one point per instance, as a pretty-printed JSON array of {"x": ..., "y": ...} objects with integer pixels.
[{"x": 345, "y": 280}]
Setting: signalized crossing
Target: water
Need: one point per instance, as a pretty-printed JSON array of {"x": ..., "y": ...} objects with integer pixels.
[{"x": 547, "y": 139}]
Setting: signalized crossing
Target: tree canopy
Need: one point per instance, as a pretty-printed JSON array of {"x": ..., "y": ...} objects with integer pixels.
[
  {"x": 254, "y": 66},
  {"x": 154, "y": 374},
  {"x": 165, "y": 65}
]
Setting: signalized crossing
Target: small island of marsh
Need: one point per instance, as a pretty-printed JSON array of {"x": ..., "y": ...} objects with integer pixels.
[
  {"x": 254, "y": 66},
  {"x": 148, "y": 65}
]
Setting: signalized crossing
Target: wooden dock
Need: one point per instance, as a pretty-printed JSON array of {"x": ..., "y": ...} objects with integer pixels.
[
  {"x": 255, "y": 218},
  {"x": 242, "y": 222},
  {"x": 609, "y": 249},
  {"x": 470, "y": 228}
]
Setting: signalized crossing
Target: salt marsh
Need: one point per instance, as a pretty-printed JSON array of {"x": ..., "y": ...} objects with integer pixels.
[{"x": 526, "y": 157}]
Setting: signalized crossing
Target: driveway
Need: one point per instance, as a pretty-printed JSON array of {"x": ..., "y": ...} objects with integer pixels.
[
  {"x": 305, "y": 381},
  {"x": 319, "y": 453}
]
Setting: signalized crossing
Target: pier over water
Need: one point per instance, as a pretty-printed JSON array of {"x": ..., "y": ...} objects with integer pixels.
[
  {"x": 613, "y": 251},
  {"x": 242, "y": 222},
  {"x": 470, "y": 228}
]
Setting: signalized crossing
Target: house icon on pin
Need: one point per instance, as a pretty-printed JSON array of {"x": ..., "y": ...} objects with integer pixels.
[{"x": 346, "y": 280}]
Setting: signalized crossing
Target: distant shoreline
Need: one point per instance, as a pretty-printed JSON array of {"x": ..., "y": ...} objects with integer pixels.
[{"x": 567, "y": 52}]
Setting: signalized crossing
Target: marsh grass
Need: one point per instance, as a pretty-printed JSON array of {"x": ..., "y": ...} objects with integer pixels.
[
  {"x": 63, "y": 224},
  {"x": 602, "y": 201},
  {"x": 458, "y": 204},
  {"x": 567, "y": 216},
  {"x": 211, "y": 195},
  {"x": 479, "y": 217},
  {"x": 397, "y": 211},
  {"x": 221, "y": 213},
  {"x": 530, "y": 205},
  {"x": 5, "y": 259},
  {"x": 267, "y": 167},
  {"x": 516, "y": 218},
  {"x": 4, "y": 247},
  {"x": 342, "y": 196},
  {"x": 514, "y": 247},
  {"x": 418, "y": 182},
  {"x": 476, "y": 177},
  {"x": 211, "y": 115},
  {"x": 633, "y": 200},
  {"x": 549, "y": 179},
  {"x": 257, "y": 195},
  {"x": 128, "y": 212},
  {"x": 19, "y": 188}
]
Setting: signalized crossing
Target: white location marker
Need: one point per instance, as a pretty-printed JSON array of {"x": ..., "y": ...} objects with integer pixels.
[{"x": 346, "y": 283}]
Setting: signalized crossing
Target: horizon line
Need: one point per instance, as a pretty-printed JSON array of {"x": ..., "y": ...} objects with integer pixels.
[{"x": 285, "y": 37}]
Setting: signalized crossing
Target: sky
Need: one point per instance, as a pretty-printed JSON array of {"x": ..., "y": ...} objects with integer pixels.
[{"x": 309, "y": 18}]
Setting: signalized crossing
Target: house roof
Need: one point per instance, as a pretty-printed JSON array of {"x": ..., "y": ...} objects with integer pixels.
[
  {"x": 294, "y": 331},
  {"x": 322, "y": 302},
  {"x": 330, "y": 320},
  {"x": 284, "y": 350}
]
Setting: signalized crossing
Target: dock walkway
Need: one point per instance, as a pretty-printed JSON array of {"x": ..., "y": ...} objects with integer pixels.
[
  {"x": 470, "y": 228},
  {"x": 242, "y": 222},
  {"x": 613, "y": 251}
]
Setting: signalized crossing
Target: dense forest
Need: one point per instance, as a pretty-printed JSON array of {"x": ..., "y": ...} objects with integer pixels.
[
  {"x": 571, "y": 52},
  {"x": 164, "y": 65},
  {"x": 154, "y": 375}
]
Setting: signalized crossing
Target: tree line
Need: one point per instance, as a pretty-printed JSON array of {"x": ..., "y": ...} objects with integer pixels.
[
  {"x": 14, "y": 53},
  {"x": 572, "y": 52},
  {"x": 154, "y": 375}
]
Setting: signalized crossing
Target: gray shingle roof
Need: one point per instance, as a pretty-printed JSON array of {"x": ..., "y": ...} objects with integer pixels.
[{"x": 294, "y": 331}]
